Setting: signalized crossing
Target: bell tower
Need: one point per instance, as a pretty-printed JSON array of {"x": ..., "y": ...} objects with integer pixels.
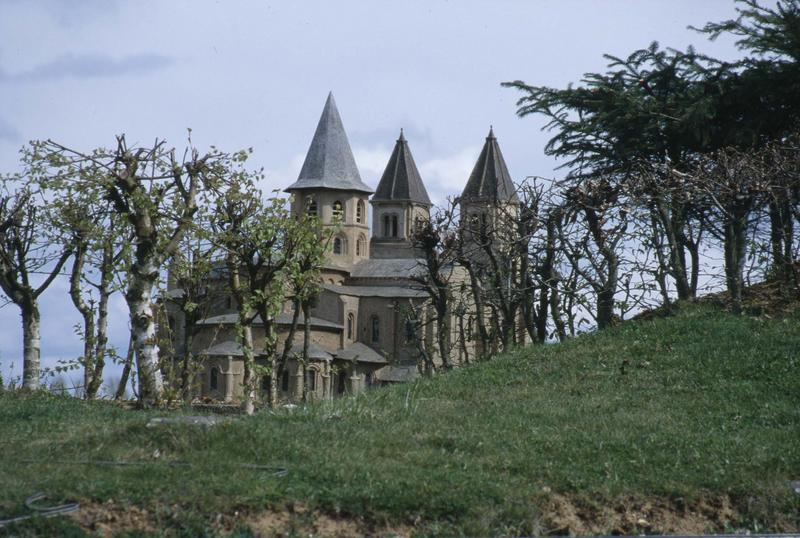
[
  {"x": 399, "y": 205},
  {"x": 489, "y": 202},
  {"x": 330, "y": 187}
]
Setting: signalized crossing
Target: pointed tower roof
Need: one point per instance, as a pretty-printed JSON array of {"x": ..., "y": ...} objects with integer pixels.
[
  {"x": 490, "y": 180},
  {"x": 329, "y": 162},
  {"x": 401, "y": 180}
]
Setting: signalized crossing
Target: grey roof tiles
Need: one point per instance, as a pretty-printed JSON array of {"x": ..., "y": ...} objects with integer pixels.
[
  {"x": 403, "y": 292},
  {"x": 360, "y": 353},
  {"x": 401, "y": 268},
  {"x": 401, "y": 180},
  {"x": 284, "y": 318},
  {"x": 229, "y": 348},
  {"x": 490, "y": 180},
  {"x": 329, "y": 162}
]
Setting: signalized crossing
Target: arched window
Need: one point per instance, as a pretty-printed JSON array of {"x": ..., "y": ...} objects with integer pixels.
[
  {"x": 213, "y": 379},
  {"x": 339, "y": 245},
  {"x": 376, "y": 329},
  {"x": 361, "y": 246},
  {"x": 394, "y": 225},
  {"x": 285, "y": 381},
  {"x": 311, "y": 379},
  {"x": 360, "y": 212},
  {"x": 351, "y": 320},
  {"x": 338, "y": 210},
  {"x": 386, "y": 226},
  {"x": 410, "y": 331},
  {"x": 484, "y": 223},
  {"x": 311, "y": 207}
]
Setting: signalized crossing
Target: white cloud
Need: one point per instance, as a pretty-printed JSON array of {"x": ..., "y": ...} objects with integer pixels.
[
  {"x": 446, "y": 176},
  {"x": 90, "y": 66},
  {"x": 280, "y": 178},
  {"x": 371, "y": 163}
]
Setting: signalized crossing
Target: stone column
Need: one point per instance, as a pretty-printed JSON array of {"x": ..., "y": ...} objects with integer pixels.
[
  {"x": 327, "y": 393},
  {"x": 298, "y": 385},
  {"x": 229, "y": 379},
  {"x": 355, "y": 383}
]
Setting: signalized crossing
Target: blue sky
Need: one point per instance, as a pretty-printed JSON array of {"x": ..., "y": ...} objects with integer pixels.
[{"x": 256, "y": 74}]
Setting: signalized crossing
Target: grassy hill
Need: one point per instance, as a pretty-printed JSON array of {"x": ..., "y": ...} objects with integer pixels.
[{"x": 684, "y": 424}]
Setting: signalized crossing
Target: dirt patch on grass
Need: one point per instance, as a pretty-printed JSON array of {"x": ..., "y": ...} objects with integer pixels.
[
  {"x": 109, "y": 518},
  {"x": 560, "y": 515},
  {"x": 298, "y": 520},
  {"x": 630, "y": 515}
]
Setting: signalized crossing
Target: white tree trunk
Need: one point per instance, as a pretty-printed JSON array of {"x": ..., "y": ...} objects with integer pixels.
[
  {"x": 249, "y": 389},
  {"x": 143, "y": 331},
  {"x": 31, "y": 347}
]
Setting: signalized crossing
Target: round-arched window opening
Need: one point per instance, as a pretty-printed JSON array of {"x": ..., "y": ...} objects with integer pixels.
[
  {"x": 376, "y": 329},
  {"x": 213, "y": 379},
  {"x": 351, "y": 321},
  {"x": 360, "y": 212},
  {"x": 311, "y": 207},
  {"x": 338, "y": 210},
  {"x": 285, "y": 381},
  {"x": 311, "y": 380},
  {"x": 361, "y": 246},
  {"x": 339, "y": 246}
]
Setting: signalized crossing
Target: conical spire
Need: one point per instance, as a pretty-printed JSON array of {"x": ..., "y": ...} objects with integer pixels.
[
  {"x": 329, "y": 162},
  {"x": 401, "y": 180},
  {"x": 490, "y": 180}
]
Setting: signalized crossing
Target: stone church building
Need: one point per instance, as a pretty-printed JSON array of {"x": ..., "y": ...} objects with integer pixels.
[{"x": 360, "y": 336}]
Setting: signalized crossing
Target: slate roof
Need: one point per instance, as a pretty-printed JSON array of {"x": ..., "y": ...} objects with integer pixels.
[
  {"x": 401, "y": 180},
  {"x": 329, "y": 162},
  {"x": 229, "y": 348},
  {"x": 388, "y": 268},
  {"x": 284, "y": 318},
  {"x": 490, "y": 180},
  {"x": 360, "y": 353},
  {"x": 375, "y": 291},
  {"x": 314, "y": 351}
]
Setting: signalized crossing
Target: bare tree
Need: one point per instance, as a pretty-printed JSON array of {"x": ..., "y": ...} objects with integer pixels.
[
  {"x": 436, "y": 241},
  {"x": 598, "y": 221},
  {"x": 493, "y": 247},
  {"x": 735, "y": 183},
  {"x": 783, "y": 202}
]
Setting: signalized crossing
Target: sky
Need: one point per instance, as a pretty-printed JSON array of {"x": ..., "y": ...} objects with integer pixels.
[{"x": 255, "y": 74}]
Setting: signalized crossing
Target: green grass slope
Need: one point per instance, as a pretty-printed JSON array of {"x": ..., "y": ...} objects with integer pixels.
[{"x": 689, "y": 423}]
